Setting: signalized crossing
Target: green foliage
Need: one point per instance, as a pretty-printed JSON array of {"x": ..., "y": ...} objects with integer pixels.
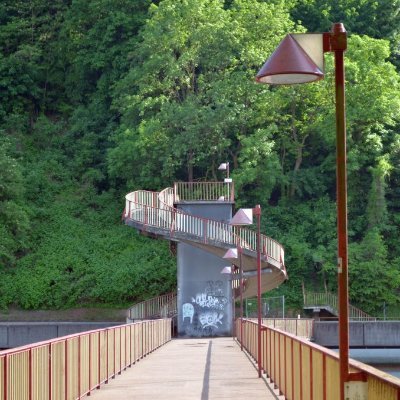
[
  {"x": 102, "y": 97},
  {"x": 14, "y": 215},
  {"x": 191, "y": 87},
  {"x": 86, "y": 257},
  {"x": 377, "y": 19},
  {"x": 373, "y": 281}
]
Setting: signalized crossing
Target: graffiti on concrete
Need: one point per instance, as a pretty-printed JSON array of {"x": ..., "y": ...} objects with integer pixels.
[
  {"x": 211, "y": 318},
  {"x": 187, "y": 311},
  {"x": 209, "y": 301},
  {"x": 207, "y": 310}
]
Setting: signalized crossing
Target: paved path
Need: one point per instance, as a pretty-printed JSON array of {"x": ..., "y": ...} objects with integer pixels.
[{"x": 186, "y": 369}]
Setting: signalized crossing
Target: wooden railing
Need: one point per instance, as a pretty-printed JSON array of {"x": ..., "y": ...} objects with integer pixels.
[
  {"x": 331, "y": 300},
  {"x": 303, "y": 370},
  {"x": 204, "y": 191},
  {"x": 70, "y": 367},
  {"x": 154, "y": 209},
  {"x": 161, "y": 306}
]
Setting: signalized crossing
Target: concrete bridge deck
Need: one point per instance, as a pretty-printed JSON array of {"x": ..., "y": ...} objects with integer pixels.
[{"x": 201, "y": 369}]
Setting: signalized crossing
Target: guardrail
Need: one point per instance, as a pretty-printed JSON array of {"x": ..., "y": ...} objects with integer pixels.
[
  {"x": 154, "y": 209},
  {"x": 71, "y": 367},
  {"x": 303, "y": 370},
  {"x": 160, "y": 306},
  {"x": 302, "y": 327},
  {"x": 204, "y": 191},
  {"x": 331, "y": 300}
]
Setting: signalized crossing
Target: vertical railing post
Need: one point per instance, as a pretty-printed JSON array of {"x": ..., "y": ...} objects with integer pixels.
[
  {"x": 79, "y": 366},
  {"x": 114, "y": 352},
  {"x": 5, "y": 378},
  {"x": 50, "y": 374},
  {"x": 120, "y": 351},
  {"x": 175, "y": 191},
  {"x": 30, "y": 374},
  {"x": 90, "y": 363},
  {"x": 107, "y": 358},
  {"x": 66, "y": 368},
  {"x": 99, "y": 361}
]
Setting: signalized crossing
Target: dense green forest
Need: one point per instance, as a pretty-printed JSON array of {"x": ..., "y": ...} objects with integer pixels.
[{"x": 102, "y": 97}]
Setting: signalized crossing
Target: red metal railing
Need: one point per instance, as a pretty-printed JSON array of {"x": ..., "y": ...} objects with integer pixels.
[
  {"x": 155, "y": 209},
  {"x": 70, "y": 367},
  {"x": 161, "y": 306},
  {"x": 303, "y": 370}
]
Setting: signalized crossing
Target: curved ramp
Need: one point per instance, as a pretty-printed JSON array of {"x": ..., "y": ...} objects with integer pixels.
[{"x": 153, "y": 213}]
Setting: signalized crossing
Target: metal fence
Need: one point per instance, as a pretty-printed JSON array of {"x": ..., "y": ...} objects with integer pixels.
[
  {"x": 331, "y": 300},
  {"x": 70, "y": 367},
  {"x": 161, "y": 306},
  {"x": 303, "y": 370},
  {"x": 155, "y": 210},
  {"x": 302, "y": 327},
  {"x": 204, "y": 191}
]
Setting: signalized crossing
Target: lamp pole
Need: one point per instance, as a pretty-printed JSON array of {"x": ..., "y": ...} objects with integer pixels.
[
  {"x": 338, "y": 46},
  {"x": 244, "y": 216},
  {"x": 241, "y": 296},
  {"x": 257, "y": 213},
  {"x": 233, "y": 302},
  {"x": 299, "y": 59}
]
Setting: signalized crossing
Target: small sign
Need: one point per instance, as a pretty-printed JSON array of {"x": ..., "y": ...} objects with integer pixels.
[
  {"x": 228, "y": 180},
  {"x": 356, "y": 390}
]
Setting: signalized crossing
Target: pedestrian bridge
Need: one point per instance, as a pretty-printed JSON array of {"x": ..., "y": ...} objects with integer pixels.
[{"x": 140, "y": 361}]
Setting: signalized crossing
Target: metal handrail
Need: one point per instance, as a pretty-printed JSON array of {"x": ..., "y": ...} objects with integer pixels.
[
  {"x": 151, "y": 308},
  {"x": 299, "y": 368},
  {"x": 154, "y": 209},
  {"x": 302, "y": 327},
  {"x": 73, "y": 366},
  {"x": 331, "y": 300},
  {"x": 204, "y": 191}
]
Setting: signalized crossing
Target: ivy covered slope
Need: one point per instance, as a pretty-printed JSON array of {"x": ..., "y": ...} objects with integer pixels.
[{"x": 104, "y": 97}]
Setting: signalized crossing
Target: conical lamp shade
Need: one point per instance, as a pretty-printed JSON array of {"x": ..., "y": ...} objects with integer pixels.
[
  {"x": 289, "y": 64},
  {"x": 244, "y": 216},
  {"x": 231, "y": 254}
]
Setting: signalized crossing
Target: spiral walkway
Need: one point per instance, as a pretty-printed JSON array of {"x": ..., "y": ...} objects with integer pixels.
[{"x": 154, "y": 214}]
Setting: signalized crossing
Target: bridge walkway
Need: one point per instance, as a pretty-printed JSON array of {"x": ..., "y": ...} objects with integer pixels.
[{"x": 201, "y": 369}]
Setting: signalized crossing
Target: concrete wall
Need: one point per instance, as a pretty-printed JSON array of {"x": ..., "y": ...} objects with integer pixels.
[
  {"x": 204, "y": 294},
  {"x": 15, "y": 334},
  {"x": 361, "y": 334}
]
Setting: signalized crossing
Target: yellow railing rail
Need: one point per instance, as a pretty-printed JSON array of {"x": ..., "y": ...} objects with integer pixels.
[
  {"x": 154, "y": 209},
  {"x": 204, "y": 191},
  {"x": 303, "y": 370},
  {"x": 331, "y": 300},
  {"x": 302, "y": 327},
  {"x": 159, "y": 306},
  {"x": 70, "y": 367}
]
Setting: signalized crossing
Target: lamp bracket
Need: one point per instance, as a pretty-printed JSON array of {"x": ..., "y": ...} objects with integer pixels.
[{"x": 336, "y": 40}]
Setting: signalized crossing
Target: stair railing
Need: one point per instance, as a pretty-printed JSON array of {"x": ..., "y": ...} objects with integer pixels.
[
  {"x": 152, "y": 308},
  {"x": 331, "y": 300},
  {"x": 155, "y": 209}
]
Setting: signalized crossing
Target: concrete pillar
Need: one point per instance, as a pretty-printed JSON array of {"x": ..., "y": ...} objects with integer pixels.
[{"x": 204, "y": 294}]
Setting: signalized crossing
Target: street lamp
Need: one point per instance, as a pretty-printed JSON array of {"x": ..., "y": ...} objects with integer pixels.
[
  {"x": 244, "y": 216},
  {"x": 300, "y": 59},
  {"x": 225, "y": 167},
  {"x": 232, "y": 255},
  {"x": 230, "y": 269}
]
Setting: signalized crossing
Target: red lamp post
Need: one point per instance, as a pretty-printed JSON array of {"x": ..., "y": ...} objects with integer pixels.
[
  {"x": 299, "y": 59},
  {"x": 244, "y": 216}
]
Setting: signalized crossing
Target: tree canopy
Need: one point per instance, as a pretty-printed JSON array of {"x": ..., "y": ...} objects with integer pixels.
[{"x": 103, "y": 97}]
